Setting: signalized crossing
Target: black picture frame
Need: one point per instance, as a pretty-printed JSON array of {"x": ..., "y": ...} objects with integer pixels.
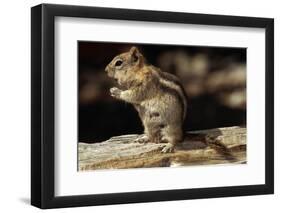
[{"x": 43, "y": 117}]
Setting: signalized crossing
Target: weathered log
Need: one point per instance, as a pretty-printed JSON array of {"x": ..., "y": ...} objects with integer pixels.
[{"x": 212, "y": 146}]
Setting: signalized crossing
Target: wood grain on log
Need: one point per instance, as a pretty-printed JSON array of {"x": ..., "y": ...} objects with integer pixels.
[{"x": 212, "y": 146}]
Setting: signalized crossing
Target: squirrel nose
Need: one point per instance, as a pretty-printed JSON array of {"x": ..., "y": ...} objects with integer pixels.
[{"x": 106, "y": 69}]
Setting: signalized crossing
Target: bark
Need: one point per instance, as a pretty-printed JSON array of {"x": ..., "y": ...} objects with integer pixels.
[{"x": 212, "y": 146}]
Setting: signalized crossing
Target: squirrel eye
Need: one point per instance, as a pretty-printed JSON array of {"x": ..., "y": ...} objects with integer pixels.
[{"x": 118, "y": 63}]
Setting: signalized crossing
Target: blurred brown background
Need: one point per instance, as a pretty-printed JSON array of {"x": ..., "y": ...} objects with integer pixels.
[{"x": 214, "y": 80}]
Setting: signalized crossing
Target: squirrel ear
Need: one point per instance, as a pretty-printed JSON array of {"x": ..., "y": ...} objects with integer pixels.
[
  {"x": 135, "y": 54},
  {"x": 134, "y": 50}
]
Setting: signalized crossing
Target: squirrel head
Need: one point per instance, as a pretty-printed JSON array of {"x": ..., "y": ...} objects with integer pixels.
[{"x": 125, "y": 67}]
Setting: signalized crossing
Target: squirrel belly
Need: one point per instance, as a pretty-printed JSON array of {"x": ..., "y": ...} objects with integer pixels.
[
  {"x": 158, "y": 97},
  {"x": 162, "y": 118}
]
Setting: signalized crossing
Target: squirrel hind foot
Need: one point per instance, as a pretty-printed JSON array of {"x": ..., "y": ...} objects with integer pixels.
[
  {"x": 142, "y": 139},
  {"x": 168, "y": 148}
]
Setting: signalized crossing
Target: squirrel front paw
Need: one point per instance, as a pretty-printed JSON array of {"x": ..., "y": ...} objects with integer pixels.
[{"x": 115, "y": 92}]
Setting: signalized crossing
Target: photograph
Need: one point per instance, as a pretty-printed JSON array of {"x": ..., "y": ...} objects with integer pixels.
[
  {"x": 160, "y": 105},
  {"x": 139, "y": 105}
]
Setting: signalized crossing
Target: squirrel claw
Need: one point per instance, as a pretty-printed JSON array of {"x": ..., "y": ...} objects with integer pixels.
[{"x": 168, "y": 148}]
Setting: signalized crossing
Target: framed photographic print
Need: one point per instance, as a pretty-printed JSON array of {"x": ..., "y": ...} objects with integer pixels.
[{"x": 139, "y": 106}]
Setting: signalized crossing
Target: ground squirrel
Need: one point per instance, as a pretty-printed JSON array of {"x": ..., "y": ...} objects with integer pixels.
[{"x": 158, "y": 97}]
